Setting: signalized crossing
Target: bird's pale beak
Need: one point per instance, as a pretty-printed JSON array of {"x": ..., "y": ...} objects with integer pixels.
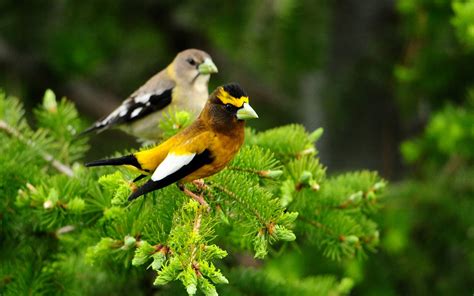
[
  {"x": 246, "y": 112},
  {"x": 207, "y": 67}
]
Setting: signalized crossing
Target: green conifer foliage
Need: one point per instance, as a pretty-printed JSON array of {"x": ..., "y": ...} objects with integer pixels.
[{"x": 68, "y": 230}]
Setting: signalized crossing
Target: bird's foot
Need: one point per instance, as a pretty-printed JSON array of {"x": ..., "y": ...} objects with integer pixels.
[
  {"x": 199, "y": 183},
  {"x": 133, "y": 186},
  {"x": 196, "y": 197}
]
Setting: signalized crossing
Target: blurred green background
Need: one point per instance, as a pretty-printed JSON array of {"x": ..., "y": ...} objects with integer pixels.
[{"x": 391, "y": 82}]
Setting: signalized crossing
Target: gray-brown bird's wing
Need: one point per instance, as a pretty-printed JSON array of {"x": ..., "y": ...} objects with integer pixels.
[{"x": 153, "y": 96}]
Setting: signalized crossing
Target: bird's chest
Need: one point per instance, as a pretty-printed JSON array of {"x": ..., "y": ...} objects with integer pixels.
[
  {"x": 191, "y": 99},
  {"x": 224, "y": 149}
]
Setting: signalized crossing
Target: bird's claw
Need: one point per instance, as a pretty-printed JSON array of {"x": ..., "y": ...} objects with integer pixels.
[
  {"x": 199, "y": 183},
  {"x": 133, "y": 186},
  {"x": 196, "y": 197}
]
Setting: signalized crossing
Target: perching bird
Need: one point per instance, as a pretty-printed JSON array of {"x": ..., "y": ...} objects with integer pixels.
[
  {"x": 201, "y": 150},
  {"x": 181, "y": 85}
]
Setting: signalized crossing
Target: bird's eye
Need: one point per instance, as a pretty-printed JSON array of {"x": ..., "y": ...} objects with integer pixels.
[
  {"x": 191, "y": 61},
  {"x": 229, "y": 107}
]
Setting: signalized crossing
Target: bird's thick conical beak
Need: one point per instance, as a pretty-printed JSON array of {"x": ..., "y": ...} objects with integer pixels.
[
  {"x": 207, "y": 67},
  {"x": 246, "y": 112}
]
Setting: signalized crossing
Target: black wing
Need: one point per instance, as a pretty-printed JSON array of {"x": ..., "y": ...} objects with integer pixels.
[
  {"x": 133, "y": 109},
  {"x": 198, "y": 161}
]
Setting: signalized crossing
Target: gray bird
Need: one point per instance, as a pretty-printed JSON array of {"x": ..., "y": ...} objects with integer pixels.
[{"x": 183, "y": 85}]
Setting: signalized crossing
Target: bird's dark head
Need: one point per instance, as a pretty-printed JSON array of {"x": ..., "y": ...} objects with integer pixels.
[{"x": 228, "y": 106}]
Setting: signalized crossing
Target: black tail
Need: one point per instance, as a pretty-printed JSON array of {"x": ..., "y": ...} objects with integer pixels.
[
  {"x": 128, "y": 159},
  {"x": 93, "y": 128}
]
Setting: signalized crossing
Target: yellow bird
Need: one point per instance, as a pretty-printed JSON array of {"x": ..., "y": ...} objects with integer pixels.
[
  {"x": 199, "y": 151},
  {"x": 181, "y": 85}
]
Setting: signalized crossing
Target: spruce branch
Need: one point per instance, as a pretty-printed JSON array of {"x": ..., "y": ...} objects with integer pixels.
[
  {"x": 316, "y": 224},
  {"x": 190, "y": 253},
  {"x": 238, "y": 200},
  {"x": 275, "y": 179},
  {"x": 271, "y": 174},
  {"x": 5, "y": 127}
]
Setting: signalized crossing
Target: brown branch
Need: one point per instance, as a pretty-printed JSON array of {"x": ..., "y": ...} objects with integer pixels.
[
  {"x": 195, "y": 196},
  {"x": 197, "y": 222},
  {"x": 195, "y": 247},
  {"x": 46, "y": 156}
]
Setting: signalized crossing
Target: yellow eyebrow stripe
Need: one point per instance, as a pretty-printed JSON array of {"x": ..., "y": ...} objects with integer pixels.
[{"x": 226, "y": 98}]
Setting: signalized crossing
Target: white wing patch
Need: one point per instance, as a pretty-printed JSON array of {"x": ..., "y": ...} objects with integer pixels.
[
  {"x": 171, "y": 164},
  {"x": 142, "y": 99},
  {"x": 135, "y": 107},
  {"x": 123, "y": 112},
  {"x": 136, "y": 112},
  {"x": 120, "y": 111}
]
